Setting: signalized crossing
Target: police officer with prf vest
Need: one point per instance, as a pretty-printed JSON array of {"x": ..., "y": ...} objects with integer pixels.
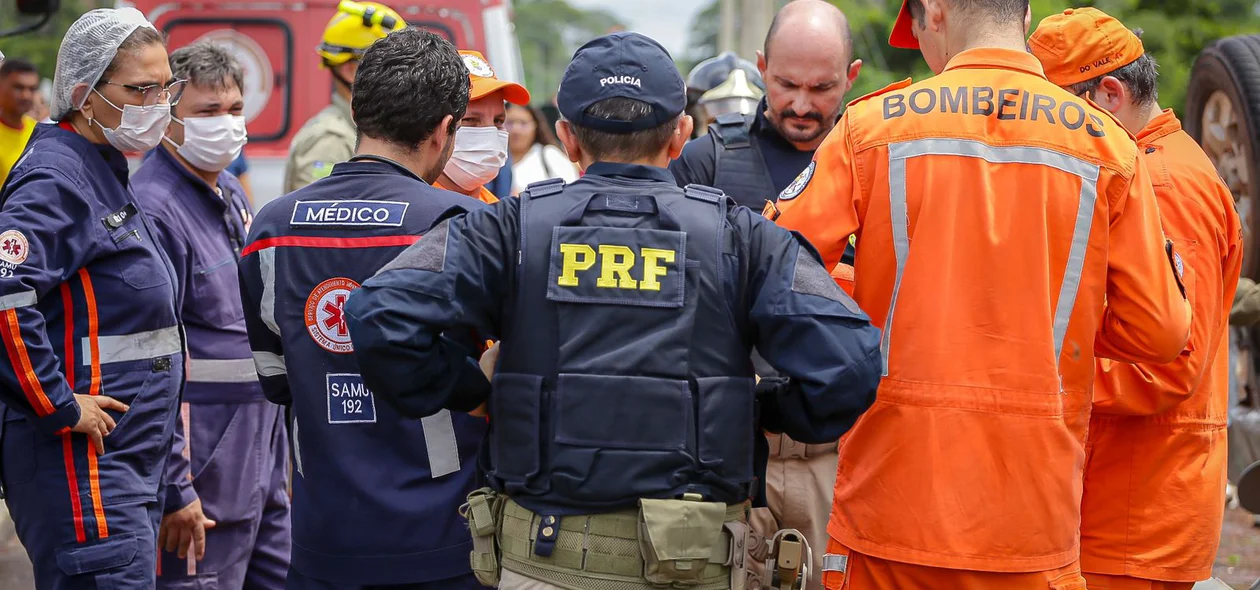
[{"x": 624, "y": 404}]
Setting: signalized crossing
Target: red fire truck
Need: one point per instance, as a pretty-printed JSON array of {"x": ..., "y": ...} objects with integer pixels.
[{"x": 275, "y": 43}]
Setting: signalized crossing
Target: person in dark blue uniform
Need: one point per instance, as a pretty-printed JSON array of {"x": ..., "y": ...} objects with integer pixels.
[
  {"x": 93, "y": 369},
  {"x": 227, "y": 505},
  {"x": 624, "y": 405},
  {"x": 808, "y": 66},
  {"x": 374, "y": 493},
  {"x": 755, "y": 157}
]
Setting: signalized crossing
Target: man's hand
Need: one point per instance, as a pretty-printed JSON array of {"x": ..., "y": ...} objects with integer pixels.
[
  {"x": 487, "y": 362},
  {"x": 185, "y": 529},
  {"x": 93, "y": 421}
]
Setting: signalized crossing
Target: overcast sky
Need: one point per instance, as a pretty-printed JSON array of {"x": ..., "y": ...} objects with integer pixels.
[{"x": 667, "y": 21}]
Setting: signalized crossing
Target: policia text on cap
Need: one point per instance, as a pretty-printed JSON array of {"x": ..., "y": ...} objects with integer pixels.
[{"x": 624, "y": 407}]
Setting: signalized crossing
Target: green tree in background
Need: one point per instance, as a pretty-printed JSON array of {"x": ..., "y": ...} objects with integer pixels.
[
  {"x": 548, "y": 32},
  {"x": 1175, "y": 31},
  {"x": 40, "y": 46}
]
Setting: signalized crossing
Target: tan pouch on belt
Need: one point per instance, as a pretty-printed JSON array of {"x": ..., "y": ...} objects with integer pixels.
[
  {"x": 677, "y": 538},
  {"x": 484, "y": 510}
]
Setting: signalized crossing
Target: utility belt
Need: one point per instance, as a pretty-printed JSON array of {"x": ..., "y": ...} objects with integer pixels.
[
  {"x": 783, "y": 447},
  {"x": 683, "y": 543}
]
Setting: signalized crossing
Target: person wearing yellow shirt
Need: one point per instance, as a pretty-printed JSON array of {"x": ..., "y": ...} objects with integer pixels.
[
  {"x": 481, "y": 143},
  {"x": 19, "y": 81}
]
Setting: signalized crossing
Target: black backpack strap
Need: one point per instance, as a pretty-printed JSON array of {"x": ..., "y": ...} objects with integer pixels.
[{"x": 732, "y": 130}]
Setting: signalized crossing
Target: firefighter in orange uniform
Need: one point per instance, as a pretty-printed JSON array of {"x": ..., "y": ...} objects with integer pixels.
[
  {"x": 1155, "y": 477},
  {"x": 481, "y": 143},
  {"x": 1006, "y": 234}
]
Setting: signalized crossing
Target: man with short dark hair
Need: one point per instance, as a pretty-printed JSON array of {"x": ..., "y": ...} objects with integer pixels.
[
  {"x": 1155, "y": 481},
  {"x": 227, "y": 504},
  {"x": 19, "y": 82},
  {"x": 1007, "y": 234},
  {"x": 625, "y": 406},
  {"x": 374, "y": 493}
]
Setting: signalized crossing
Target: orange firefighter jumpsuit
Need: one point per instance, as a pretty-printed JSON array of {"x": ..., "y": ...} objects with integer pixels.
[
  {"x": 483, "y": 194},
  {"x": 1006, "y": 233},
  {"x": 1155, "y": 457}
]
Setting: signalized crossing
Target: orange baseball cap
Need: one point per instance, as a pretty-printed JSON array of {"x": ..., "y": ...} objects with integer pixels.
[
  {"x": 484, "y": 83},
  {"x": 902, "y": 36},
  {"x": 1082, "y": 44}
]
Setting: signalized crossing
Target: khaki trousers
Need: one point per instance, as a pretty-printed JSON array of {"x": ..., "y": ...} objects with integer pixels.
[
  {"x": 514, "y": 581},
  {"x": 800, "y": 484}
]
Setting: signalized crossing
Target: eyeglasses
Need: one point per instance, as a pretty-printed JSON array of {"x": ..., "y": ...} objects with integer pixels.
[{"x": 156, "y": 93}]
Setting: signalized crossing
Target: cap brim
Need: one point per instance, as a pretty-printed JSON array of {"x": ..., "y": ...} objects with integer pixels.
[
  {"x": 902, "y": 36},
  {"x": 512, "y": 92}
]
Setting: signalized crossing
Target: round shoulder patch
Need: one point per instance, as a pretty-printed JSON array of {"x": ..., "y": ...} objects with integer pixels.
[
  {"x": 479, "y": 67},
  {"x": 798, "y": 185},
  {"x": 14, "y": 248},
  {"x": 325, "y": 315}
]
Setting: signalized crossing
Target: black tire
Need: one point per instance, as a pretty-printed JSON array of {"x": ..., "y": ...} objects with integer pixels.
[{"x": 1232, "y": 66}]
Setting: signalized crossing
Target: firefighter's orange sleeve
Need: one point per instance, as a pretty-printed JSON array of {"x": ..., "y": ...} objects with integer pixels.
[
  {"x": 1147, "y": 318},
  {"x": 1147, "y": 389},
  {"x": 843, "y": 275},
  {"x": 827, "y": 211}
]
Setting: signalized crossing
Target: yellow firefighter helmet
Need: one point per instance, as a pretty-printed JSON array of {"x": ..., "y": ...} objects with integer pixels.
[{"x": 355, "y": 27}]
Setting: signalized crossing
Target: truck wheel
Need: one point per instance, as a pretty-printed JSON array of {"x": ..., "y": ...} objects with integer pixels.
[{"x": 1223, "y": 115}]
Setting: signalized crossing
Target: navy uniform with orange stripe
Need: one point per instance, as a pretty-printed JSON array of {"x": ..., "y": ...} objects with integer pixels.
[
  {"x": 87, "y": 306},
  {"x": 374, "y": 494}
]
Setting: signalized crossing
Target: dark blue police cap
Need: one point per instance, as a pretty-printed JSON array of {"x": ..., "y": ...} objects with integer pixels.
[{"x": 622, "y": 65}]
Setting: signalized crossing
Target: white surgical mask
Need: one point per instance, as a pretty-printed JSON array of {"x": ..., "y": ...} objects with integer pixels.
[
  {"x": 141, "y": 128},
  {"x": 479, "y": 154},
  {"x": 211, "y": 143}
]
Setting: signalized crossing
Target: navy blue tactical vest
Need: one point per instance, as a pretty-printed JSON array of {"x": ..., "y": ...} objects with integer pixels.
[
  {"x": 739, "y": 169},
  {"x": 623, "y": 373}
]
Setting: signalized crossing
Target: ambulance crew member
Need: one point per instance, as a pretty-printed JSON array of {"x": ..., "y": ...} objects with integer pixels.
[
  {"x": 624, "y": 396},
  {"x": 481, "y": 143},
  {"x": 375, "y": 495},
  {"x": 328, "y": 137},
  {"x": 995, "y": 214},
  {"x": 89, "y": 321},
  {"x": 228, "y": 500},
  {"x": 1155, "y": 479}
]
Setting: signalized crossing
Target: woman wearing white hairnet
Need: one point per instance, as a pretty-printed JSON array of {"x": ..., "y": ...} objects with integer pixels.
[{"x": 93, "y": 362}]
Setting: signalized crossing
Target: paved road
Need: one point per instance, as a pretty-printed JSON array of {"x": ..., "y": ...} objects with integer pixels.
[{"x": 1237, "y": 563}]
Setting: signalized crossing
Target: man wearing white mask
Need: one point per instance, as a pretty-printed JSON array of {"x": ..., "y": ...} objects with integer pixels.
[
  {"x": 481, "y": 143},
  {"x": 226, "y": 502}
]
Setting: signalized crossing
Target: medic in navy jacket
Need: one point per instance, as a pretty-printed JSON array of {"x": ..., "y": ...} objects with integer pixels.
[
  {"x": 87, "y": 306},
  {"x": 374, "y": 494}
]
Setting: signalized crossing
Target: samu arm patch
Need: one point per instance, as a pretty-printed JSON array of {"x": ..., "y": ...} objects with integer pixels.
[{"x": 798, "y": 185}]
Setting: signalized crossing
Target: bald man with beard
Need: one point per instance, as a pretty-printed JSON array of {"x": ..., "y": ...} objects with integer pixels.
[{"x": 807, "y": 64}]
